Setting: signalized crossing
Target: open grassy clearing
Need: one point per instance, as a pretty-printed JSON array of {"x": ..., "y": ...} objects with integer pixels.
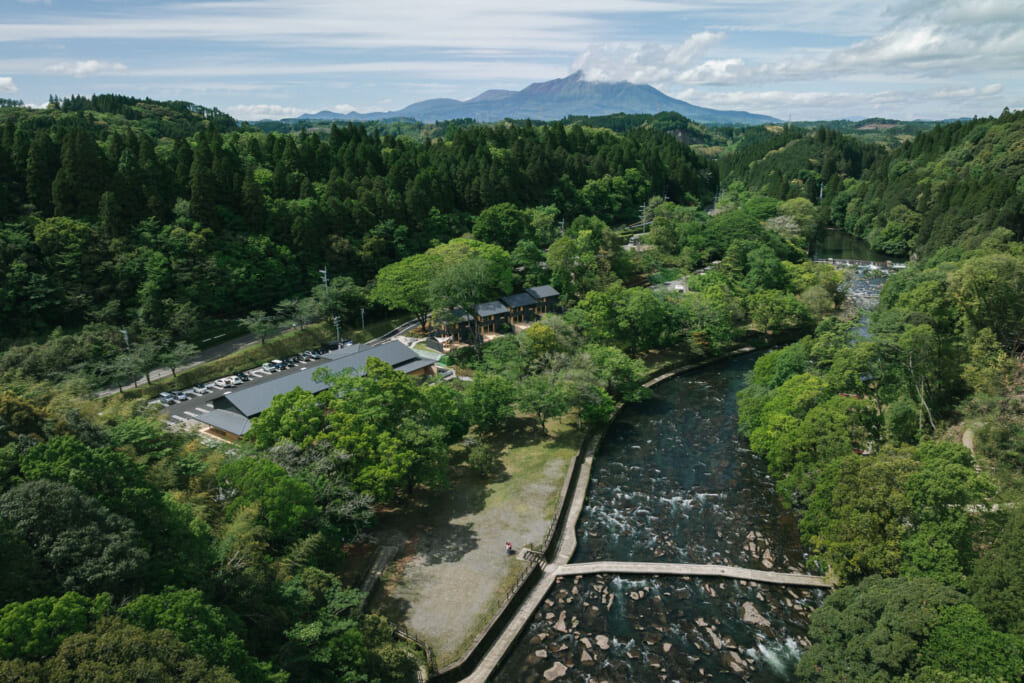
[{"x": 452, "y": 574}]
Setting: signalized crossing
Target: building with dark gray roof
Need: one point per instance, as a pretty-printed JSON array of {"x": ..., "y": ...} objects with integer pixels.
[
  {"x": 521, "y": 307},
  {"x": 225, "y": 424},
  {"x": 543, "y": 292},
  {"x": 253, "y": 400},
  {"x": 491, "y": 316},
  {"x": 546, "y": 296}
]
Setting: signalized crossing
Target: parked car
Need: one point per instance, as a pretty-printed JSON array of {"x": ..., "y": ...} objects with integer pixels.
[
  {"x": 279, "y": 364},
  {"x": 199, "y": 389},
  {"x": 167, "y": 398},
  {"x": 310, "y": 355},
  {"x": 269, "y": 367},
  {"x": 180, "y": 395},
  {"x": 243, "y": 376},
  {"x": 295, "y": 360},
  {"x": 224, "y": 382}
]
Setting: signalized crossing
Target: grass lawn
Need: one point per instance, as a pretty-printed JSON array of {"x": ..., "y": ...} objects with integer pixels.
[{"x": 453, "y": 574}]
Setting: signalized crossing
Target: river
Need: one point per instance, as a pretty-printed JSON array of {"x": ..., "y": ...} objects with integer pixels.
[{"x": 674, "y": 482}]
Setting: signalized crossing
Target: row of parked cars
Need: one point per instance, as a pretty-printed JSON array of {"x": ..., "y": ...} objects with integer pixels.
[
  {"x": 168, "y": 398},
  {"x": 278, "y": 365}
]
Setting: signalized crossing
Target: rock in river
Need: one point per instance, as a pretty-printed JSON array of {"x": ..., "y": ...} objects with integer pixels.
[{"x": 557, "y": 670}]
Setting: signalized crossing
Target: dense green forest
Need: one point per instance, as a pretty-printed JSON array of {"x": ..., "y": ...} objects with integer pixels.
[
  {"x": 161, "y": 217},
  {"x": 132, "y": 548},
  {"x": 953, "y": 184},
  {"x": 901, "y": 451}
]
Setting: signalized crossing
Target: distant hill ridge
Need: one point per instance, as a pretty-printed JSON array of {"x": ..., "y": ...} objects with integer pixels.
[{"x": 553, "y": 100}]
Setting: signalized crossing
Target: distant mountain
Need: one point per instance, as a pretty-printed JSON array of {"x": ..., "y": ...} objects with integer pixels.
[{"x": 553, "y": 100}]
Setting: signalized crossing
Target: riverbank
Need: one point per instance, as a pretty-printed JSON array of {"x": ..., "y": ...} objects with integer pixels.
[{"x": 450, "y": 584}]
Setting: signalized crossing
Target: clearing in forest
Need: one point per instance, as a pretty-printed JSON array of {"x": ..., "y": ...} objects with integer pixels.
[{"x": 453, "y": 573}]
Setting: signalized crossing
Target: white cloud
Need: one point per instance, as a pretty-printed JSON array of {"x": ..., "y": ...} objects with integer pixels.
[
  {"x": 643, "y": 62},
  {"x": 7, "y": 85},
  {"x": 960, "y": 93},
  {"x": 257, "y": 112},
  {"x": 921, "y": 39},
  {"x": 811, "y": 105},
  {"x": 88, "y": 67}
]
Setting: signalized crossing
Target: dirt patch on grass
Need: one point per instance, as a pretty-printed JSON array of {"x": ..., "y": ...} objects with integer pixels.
[{"x": 453, "y": 572}]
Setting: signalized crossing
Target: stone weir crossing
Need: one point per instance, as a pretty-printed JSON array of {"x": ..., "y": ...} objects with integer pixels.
[
  {"x": 712, "y": 570},
  {"x": 860, "y": 263},
  {"x": 561, "y": 565}
]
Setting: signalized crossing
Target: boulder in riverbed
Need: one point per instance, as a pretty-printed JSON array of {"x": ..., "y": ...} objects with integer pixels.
[
  {"x": 556, "y": 671},
  {"x": 752, "y": 616}
]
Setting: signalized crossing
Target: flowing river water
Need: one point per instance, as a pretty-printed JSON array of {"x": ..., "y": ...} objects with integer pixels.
[{"x": 674, "y": 482}]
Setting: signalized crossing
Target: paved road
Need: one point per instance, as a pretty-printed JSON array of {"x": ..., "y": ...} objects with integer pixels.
[{"x": 204, "y": 356}]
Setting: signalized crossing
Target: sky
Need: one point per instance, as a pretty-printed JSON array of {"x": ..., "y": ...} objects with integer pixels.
[{"x": 800, "y": 60}]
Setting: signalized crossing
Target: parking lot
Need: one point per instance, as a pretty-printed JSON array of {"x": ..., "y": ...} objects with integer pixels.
[{"x": 185, "y": 411}]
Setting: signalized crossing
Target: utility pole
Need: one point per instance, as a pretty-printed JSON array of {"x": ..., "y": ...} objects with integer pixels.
[
  {"x": 362, "y": 317},
  {"x": 127, "y": 346},
  {"x": 643, "y": 214},
  {"x": 561, "y": 227},
  {"x": 337, "y": 328},
  {"x": 324, "y": 273}
]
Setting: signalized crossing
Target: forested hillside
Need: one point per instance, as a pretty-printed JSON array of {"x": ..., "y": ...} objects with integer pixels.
[
  {"x": 900, "y": 450},
  {"x": 131, "y": 547},
  {"x": 953, "y": 184},
  {"x": 128, "y": 547},
  {"x": 159, "y": 217}
]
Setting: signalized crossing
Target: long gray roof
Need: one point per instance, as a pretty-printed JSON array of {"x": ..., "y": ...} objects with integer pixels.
[
  {"x": 226, "y": 420},
  {"x": 253, "y": 400}
]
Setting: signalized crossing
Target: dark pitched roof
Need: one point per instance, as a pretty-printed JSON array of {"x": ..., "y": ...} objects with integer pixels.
[
  {"x": 415, "y": 365},
  {"x": 519, "y": 300},
  {"x": 253, "y": 400},
  {"x": 542, "y": 292},
  {"x": 489, "y": 308},
  {"x": 228, "y": 421}
]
